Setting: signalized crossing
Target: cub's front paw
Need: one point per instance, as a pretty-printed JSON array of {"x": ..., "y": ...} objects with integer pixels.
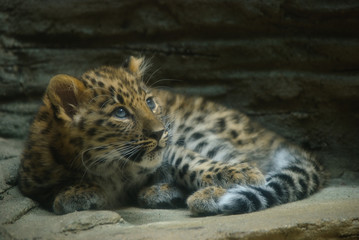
[
  {"x": 161, "y": 196},
  {"x": 77, "y": 199},
  {"x": 205, "y": 201},
  {"x": 228, "y": 175}
]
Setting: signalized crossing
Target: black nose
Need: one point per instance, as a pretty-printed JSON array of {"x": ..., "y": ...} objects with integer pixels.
[{"x": 157, "y": 135}]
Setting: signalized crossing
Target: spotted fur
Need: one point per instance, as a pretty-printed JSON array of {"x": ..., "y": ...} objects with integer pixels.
[{"x": 106, "y": 140}]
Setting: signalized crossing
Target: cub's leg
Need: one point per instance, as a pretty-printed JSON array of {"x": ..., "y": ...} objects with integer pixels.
[
  {"x": 79, "y": 197},
  {"x": 294, "y": 176},
  {"x": 209, "y": 178},
  {"x": 193, "y": 171},
  {"x": 161, "y": 195},
  {"x": 205, "y": 201}
]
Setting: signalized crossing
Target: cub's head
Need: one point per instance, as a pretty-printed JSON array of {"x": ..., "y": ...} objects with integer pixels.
[{"x": 111, "y": 118}]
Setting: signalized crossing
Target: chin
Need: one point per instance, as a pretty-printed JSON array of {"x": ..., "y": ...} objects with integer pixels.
[{"x": 152, "y": 159}]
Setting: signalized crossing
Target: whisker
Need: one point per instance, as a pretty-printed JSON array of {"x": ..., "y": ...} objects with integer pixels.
[
  {"x": 165, "y": 79},
  {"x": 152, "y": 74},
  {"x": 164, "y": 88}
]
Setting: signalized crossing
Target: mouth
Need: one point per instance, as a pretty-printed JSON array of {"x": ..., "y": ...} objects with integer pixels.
[
  {"x": 157, "y": 148},
  {"x": 136, "y": 157}
]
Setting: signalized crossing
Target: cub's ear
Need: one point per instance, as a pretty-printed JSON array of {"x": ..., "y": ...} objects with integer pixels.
[
  {"x": 136, "y": 66},
  {"x": 65, "y": 93}
]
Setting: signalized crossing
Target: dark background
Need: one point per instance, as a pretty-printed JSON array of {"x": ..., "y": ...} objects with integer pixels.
[{"x": 292, "y": 65}]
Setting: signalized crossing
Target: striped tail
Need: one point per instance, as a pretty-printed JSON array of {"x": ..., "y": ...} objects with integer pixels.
[{"x": 295, "y": 177}]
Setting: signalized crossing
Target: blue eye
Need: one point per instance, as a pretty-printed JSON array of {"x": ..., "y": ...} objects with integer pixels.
[
  {"x": 120, "y": 113},
  {"x": 150, "y": 103}
]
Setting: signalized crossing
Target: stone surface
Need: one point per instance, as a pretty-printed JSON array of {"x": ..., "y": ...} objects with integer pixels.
[
  {"x": 330, "y": 214},
  {"x": 9, "y": 160},
  {"x": 14, "y": 206},
  {"x": 220, "y": 42},
  {"x": 16, "y": 117}
]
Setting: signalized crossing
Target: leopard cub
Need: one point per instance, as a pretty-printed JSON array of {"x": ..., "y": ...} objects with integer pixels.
[
  {"x": 94, "y": 142},
  {"x": 107, "y": 140}
]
